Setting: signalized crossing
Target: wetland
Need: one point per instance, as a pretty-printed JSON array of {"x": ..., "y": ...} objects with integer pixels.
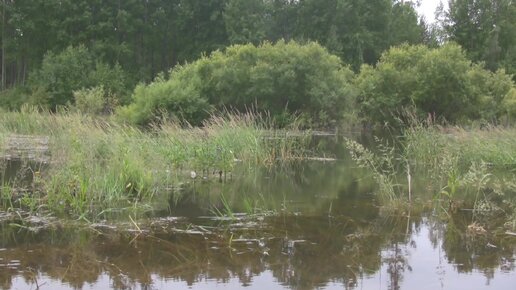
[{"x": 311, "y": 223}]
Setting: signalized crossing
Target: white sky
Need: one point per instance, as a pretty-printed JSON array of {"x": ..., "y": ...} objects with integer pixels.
[{"x": 427, "y": 8}]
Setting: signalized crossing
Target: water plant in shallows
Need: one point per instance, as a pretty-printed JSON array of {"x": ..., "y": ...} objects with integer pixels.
[{"x": 98, "y": 167}]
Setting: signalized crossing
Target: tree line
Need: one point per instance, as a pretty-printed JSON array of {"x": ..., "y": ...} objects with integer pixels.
[
  {"x": 146, "y": 37},
  {"x": 94, "y": 53}
]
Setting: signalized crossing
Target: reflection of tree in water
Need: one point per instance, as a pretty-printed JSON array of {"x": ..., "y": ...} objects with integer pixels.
[
  {"x": 302, "y": 252},
  {"x": 395, "y": 256},
  {"x": 470, "y": 251},
  {"x": 328, "y": 252},
  {"x": 396, "y": 265}
]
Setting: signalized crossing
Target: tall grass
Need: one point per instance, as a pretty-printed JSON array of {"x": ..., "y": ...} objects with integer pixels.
[
  {"x": 384, "y": 166},
  {"x": 473, "y": 168},
  {"x": 493, "y": 145},
  {"x": 476, "y": 166},
  {"x": 98, "y": 166}
]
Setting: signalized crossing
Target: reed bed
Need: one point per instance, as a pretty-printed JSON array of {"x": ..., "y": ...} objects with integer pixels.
[
  {"x": 472, "y": 168},
  {"x": 99, "y": 167},
  {"x": 495, "y": 146}
]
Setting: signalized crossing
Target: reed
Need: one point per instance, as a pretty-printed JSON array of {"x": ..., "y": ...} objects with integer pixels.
[
  {"x": 99, "y": 167},
  {"x": 473, "y": 167}
]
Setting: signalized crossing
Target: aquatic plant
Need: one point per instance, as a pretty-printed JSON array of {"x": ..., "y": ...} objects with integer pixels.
[
  {"x": 384, "y": 166},
  {"x": 99, "y": 168},
  {"x": 458, "y": 167},
  {"x": 474, "y": 166}
]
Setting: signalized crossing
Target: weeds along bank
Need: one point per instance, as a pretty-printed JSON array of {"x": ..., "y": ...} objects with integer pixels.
[
  {"x": 96, "y": 167},
  {"x": 468, "y": 168},
  {"x": 453, "y": 167}
]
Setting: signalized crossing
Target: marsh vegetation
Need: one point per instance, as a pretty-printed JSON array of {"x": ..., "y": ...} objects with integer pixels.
[
  {"x": 93, "y": 167},
  {"x": 292, "y": 144}
]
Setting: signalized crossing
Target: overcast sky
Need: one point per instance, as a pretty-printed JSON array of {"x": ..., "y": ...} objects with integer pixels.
[{"x": 427, "y": 8}]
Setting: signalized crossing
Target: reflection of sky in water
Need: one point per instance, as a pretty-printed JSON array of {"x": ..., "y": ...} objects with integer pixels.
[
  {"x": 329, "y": 260},
  {"x": 428, "y": 269}
]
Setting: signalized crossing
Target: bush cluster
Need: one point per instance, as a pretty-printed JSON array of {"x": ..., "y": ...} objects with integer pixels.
[
  {"x": 288, "y": 80},
  {"x": 278, "y": 78},
  {"x": 439, "y": 82}
]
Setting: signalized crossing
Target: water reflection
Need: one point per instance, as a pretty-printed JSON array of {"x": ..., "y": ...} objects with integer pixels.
[
  {"x": 299, "y": 252},
  {"x": 310, "y": 226}
]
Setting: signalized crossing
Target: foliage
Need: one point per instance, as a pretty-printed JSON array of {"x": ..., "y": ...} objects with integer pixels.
[
  {"x": 95, "y": 101},
  {"x": 277, "y": 78},
  {"x": 404, "y": 25},
  {"x": 357, "y": 31},
  {"x": 73, "y": 69},
  {"x": 149, "y": 37},
  {"x": 245, "y": 21},
  {"x": 14, "y": 98},
  {"x": 99, "y": 166},
  {"x": 486, "y": 30},
  {"x": 439, "y": 82},
  {"x": 177, "y": 97},
  {"x": 509, "y": 104}
]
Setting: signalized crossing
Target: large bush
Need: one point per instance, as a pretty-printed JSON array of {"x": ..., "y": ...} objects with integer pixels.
[
  {"x": 279, "y": 78},
  {"x": 73, "y": 69},
  {"x": 177, "y": 96},
  {"x": 441, "y": 82}
]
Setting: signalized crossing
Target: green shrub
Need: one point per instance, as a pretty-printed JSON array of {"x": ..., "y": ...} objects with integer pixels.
[
  {"x": 177, "y": 98},
  {"x": 73, "y": 69},
  {"x": 279, "y": 78},
  {"x": 509, "y": 103},
  {"x": 93, "y": 101},
  {"x": 14, "y": 98},
  {"x": 441, "y": 82}
]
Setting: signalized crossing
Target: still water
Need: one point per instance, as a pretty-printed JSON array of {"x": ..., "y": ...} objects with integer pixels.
[{"x": 313, "y": 225}]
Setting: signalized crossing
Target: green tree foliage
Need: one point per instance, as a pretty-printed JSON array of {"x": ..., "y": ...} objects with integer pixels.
[
  {"x": 486, "y": 29},
  {"x": 90, "y": 101},
  {"x": 441, "y": 82},
  {"x": 149, "y": 37},
  {"x": 95, "y": 101},
  {"x": 73, "y": 69},
  {"x": 177, "y": 97},
  {"x": 51, "y": 48},
  {"x": 246, "y": 21},
  {"x": 284, "y": 77},
  {"x": 14, "y": 98},
  {"x": 509, "y": 104},
  {"x": 404, "y": 25},
  {"x": 358, "y": 30}
]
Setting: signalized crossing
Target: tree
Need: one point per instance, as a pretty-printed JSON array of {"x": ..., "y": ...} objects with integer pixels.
[
  {"x": 404, "y": 26},
  {"x": 486, "y": 29},
  {"x": 246, "y": 21},
  {"x": 72, "y": 69},
  {"x": 280, "y": 78},
  {"x": 200, "y": 28},
  {"x": 441, "y": 82}
]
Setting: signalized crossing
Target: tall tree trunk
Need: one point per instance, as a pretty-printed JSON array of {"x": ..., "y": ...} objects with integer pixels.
[{"x": 3, "y": 46}]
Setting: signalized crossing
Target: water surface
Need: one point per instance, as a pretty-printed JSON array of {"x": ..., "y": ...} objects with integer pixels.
[{"x": 312, "y": 225}]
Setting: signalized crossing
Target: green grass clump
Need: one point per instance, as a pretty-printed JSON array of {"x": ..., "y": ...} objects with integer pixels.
[
  {"x": 99, "y": 167},
  {"x": 474, "y": 168},
  {"x": 493, "y": 145}
]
